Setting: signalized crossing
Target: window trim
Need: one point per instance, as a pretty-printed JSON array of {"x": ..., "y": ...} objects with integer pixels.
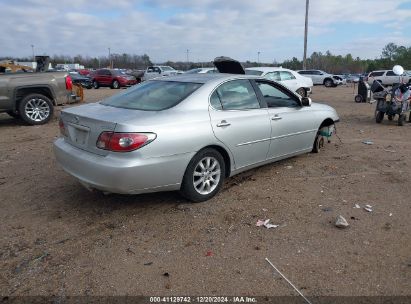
[
  {"x": 280, "y": 87},
  {"x": 263, "y": 105}
]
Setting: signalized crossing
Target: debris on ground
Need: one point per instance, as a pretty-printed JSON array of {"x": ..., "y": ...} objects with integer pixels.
[
  {"x": 209, "y": 253},
  {"x": 148, "y": 263},
  {"x": 368, "y": 208},
  {"x": 356, "y": 206},
  {"x": 289, "y": 167},
  {"x": 341, "y": 222},
  {"x": 327, "y": 209},
  {"x": 288, "y": 281},
  {"x": 368, "y": 142},
  {"x": 391, "y": 151},
  {"x": 266, "y": 224},
  {"x": 166, "y": 274}
]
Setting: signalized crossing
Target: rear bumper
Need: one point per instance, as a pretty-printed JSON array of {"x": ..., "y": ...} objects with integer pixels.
[
  {"x": 122, "y": 173},
  {"x": 128, "y": 83}
]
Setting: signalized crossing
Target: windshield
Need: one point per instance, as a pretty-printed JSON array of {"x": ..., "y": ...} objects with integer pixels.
[
  {"x": 119, "y": 72},
  {"x": 253, "y": 72},
  {"x": 152, "y": 95},
  {"x": 193, "y": 71},
  {"x": 167, "y": 68}
]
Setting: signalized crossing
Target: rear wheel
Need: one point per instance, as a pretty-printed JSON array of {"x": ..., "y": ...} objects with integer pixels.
[
  {"x": 115, "y": 84},
  {"x": 95, "y": 84},
  {"x": 204, "y": 176},
  {"x": 302, "y": 92},
  {"x": 401, "y": 119},
  {"x": 358, "y": 98},
  {"x": 379, "y": 117},
  {"x": 36, "y": 109}
]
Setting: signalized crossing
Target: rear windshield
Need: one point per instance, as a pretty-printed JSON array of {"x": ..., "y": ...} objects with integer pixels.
[
  {"x": 253, "y": 72},
  {"x": 152, "y": 95}
]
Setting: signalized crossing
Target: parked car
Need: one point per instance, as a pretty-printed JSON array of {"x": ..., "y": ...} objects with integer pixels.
[
  {"x": 353, "y": 78},
  {"x": 188, "y": 133},
  {"x": 387, "y": 77},
  {"x": 84, "y": 81},
  {"x": 32, "y": 96},
  {"x": 112, "y": 78},
  {"x": 159, "y": 70},
  {"x": 294, "y": 81},
  {"x": 320, "y": 77},
  {"x": 202, "y": 71}
]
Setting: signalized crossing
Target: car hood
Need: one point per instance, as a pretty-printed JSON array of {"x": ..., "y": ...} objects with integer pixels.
[{"x": 228, "y": 65}]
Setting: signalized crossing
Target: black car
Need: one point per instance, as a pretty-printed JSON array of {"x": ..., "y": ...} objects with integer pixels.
[{"x": 84, "y": 81}]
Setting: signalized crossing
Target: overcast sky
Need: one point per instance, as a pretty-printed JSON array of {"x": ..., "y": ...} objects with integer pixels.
[{"x": 165, "y": 29}]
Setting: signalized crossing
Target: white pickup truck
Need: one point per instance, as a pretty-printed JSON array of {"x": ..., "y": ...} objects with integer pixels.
[
  {"x": 387, "y": 77},
  {"x": 159, "y": 70}
]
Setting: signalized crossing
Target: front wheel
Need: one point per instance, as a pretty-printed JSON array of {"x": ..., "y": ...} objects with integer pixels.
[
  {"x": 36, "y": 109},
  {"x": 301, "y": 92},
  {"x": 358, "y": 98},
  {"x": 379, "y": 117},
  {"x": 328, "y": 83},
  {"x": 318, "y": 143},
  {"x": 204, "y": 176},
  {"x": 95, "y": 84}
]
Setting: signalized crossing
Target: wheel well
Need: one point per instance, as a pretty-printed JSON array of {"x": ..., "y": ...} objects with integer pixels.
[
  {"x": 328, "y": 78},
  {"x": 326, "y": 123},
  {"x": 224, "y": 154},
  {"x": 21, "y": 93}
]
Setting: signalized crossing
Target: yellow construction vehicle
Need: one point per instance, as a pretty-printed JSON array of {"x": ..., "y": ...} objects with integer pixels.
[{"x": 7, "y": 66}]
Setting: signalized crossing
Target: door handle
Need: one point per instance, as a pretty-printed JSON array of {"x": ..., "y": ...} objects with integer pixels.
[
  {"x": 223, "y": 123},
  {"x": 276, "y": 117}
]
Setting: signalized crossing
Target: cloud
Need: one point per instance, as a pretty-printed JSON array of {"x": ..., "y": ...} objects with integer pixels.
[{"x": 208, "y": 28}]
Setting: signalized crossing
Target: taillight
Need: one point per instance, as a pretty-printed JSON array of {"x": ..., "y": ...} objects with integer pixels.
[
  {"x": 123, "y": 142},
  {"x": 69, "y": 83},
  {"x": 62, "y": 127}
]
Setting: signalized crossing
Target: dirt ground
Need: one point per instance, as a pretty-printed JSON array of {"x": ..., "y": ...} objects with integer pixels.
[{"x": 59, "y": 239}]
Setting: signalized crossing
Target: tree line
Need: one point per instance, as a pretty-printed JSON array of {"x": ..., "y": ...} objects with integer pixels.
[{"x": 337, "y": 64}]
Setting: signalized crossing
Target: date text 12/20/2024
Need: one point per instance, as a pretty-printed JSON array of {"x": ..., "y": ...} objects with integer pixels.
[{"x": 198, "y": 299}]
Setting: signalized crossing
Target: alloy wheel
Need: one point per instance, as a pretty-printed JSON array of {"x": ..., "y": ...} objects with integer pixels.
[
  {"x": 37, "y": 109},
  {"x": 206, "y": 176}
]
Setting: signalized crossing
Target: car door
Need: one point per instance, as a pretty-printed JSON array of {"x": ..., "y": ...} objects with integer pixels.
[
  {"x": 289, "y": 80},
  {"x": 239, "y": 121},
  {"x": 293, "y": 127}
]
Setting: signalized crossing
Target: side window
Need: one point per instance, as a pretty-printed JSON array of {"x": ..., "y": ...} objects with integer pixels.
[
  {"x": 107, "y": 73},
  {"x": 391, "y": 73},
  {"x": 238, "y": 95},
  {"x": 274, "y": 97},
  {"x": 100, "y": 72},
  {"x": 215, "y": 101},
  {"x": 273, "y": 76},
  {"x": 156, "y": 70},
  {"x": 317, "y": 73},
  {"x": 286, "y": 75},
  {"x": 150, "y": 70}
]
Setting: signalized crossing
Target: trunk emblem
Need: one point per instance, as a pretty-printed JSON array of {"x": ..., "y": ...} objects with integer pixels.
[{"x": 76, "y": 119}]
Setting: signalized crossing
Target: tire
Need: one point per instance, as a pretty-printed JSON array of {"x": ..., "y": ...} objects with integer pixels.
[
  {"x": 302, "y": 92},
  {"x": 13, "y": 114},
  {"x": 36, "y": 109},
  {"x": 197, "y": 176},
  {"x": 409, "y": 117},
  {"x": 358, "y": 98},
  {"x": 95, "y": 84},
  {"x": 328, "y": 83},
  {"x": 401, "y": 119},
  {"x": 318, "y": 144},
  {"x": 115, "y": 85},
  {"x": 379, "y": 117}
]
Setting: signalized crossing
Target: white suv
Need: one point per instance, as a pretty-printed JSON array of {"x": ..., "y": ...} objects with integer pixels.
[
  {"x": 387, "y": 77},
  {"x": 321, "y": 77},
  {"x": 291, "y": 79}
]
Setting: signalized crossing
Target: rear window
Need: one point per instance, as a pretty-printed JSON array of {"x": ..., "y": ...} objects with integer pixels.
[
  {"x": 253, "y": 72},
  {"x": 376, "y": 74},
  {"x": 152, "y": 95}
]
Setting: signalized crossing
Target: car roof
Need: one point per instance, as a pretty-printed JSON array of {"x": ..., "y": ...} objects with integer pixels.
[
  {"x": 204, "y": 78},
  {"x": 267, "y": 69}
]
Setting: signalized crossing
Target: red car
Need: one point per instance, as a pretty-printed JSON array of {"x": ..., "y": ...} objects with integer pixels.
[{"x": 112, "y": 78}]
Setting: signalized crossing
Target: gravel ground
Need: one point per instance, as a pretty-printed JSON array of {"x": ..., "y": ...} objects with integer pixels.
[{"x": 59, "y": 239}]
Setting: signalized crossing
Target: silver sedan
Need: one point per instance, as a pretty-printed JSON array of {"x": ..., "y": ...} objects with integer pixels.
[{"x": 187, "y": 133}]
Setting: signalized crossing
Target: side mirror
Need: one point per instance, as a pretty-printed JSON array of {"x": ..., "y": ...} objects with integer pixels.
[
  {"x": 398, "y": 70},
  {"x": 306, "y": 101}
]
